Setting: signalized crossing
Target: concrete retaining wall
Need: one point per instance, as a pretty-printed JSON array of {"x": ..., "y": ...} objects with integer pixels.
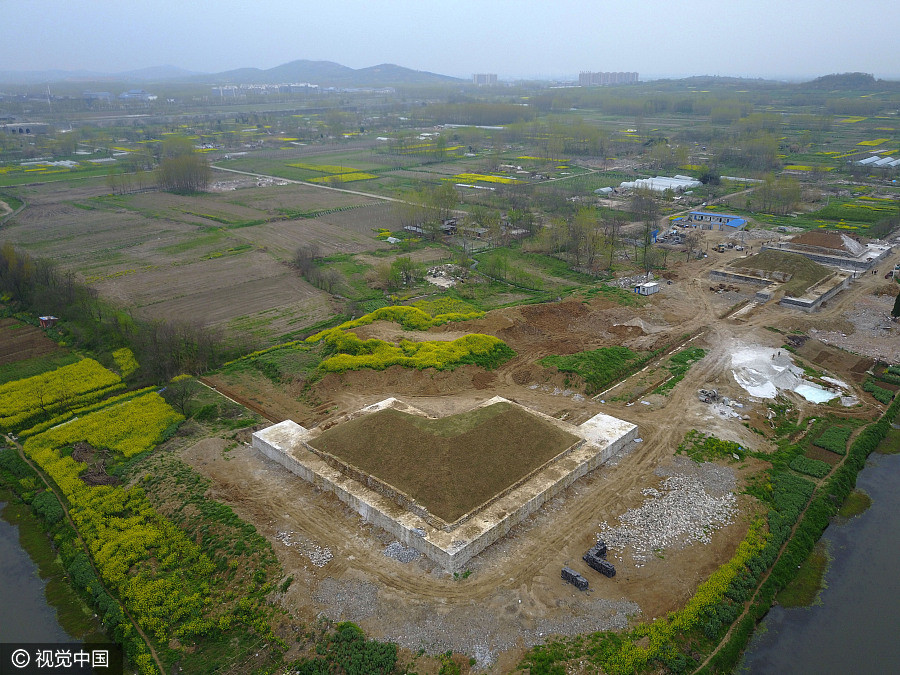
[
  {"x": 818, "y": 294},
  {"x": 735, "y": 277},
  {"x": 867, "y": 261},
  {"x": 604, "y": 437}
]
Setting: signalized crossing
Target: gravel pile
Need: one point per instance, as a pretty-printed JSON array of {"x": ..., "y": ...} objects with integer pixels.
[
  {"x": 628, "y": 282},
  {"x": 347, "y": 600},
  {"x": 874, "y": 334},
  {"x": 480, "y": 630},
  {"x": 404, "y": 554},
  {"x": 688, "y": 508},
  {"x": 317, "y": 555}
]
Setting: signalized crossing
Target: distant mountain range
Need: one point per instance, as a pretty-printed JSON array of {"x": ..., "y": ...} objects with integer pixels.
[
  {"x": 328, "y": 73},
  {"x": 323, "y": 73}
]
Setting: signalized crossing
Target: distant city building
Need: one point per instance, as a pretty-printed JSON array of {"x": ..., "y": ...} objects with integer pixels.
[
  {"x": 136, "y": 95},
  {"x": 97, "y": 96},
  {"x": 484, "y": 79},
  {"x": 589, "y": 79},
  {"x": 26, "y": 128},
  {"x": 225, "y": 91},
  {"x": 297, "y": 88}
]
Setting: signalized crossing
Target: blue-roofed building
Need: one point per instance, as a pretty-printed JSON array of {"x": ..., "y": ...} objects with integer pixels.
[{"x": 721, "y": 219}]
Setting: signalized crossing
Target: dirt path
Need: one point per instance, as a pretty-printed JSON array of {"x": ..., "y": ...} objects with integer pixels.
[
  {"x": 300, "y": 182},
  {"x": 749, "y": 603}
]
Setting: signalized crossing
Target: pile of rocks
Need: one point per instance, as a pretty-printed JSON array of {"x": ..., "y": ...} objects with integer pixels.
[
  {"x": 319, "y": 556},
  {"x": 402, "y": 553},
  {"x": 629, "y": 282},
  {"x": 680, "y": 513}
]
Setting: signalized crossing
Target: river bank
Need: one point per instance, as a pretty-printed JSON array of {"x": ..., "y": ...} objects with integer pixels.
[
  {"x": 39, "y": 603},
  {"x": 851, "y": 627}
]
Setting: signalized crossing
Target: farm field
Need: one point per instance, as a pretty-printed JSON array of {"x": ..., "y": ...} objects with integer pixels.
[
  {"x": 217, "y": 259},
  {"x": 20, "y": 341}
]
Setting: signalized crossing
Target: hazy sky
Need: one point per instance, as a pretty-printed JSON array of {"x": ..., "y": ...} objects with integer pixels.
[{"x": 785, "y": 39}]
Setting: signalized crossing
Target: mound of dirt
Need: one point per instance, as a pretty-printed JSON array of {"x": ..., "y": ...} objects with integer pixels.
[{"x": 555, "y": 316}]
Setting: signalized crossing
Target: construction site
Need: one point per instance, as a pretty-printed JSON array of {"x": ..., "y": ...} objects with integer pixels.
[{"x": 437, "y": 509}]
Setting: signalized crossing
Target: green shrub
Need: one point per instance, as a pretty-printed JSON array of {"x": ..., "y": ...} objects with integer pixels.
[
  {"x": 347, "y": 651},
  {"x": 880, "y": 394},
  {"x": 811, "y": 467},
  {"x": 834, "y": 439},
  {"x": 348, "y": 352},
  {"x": 703, "y": 448},
  {"x": 11, "y": 463},
  {"x": 47, "y": 506},
  {"x": 207, "y": 413},
  {"x": 597, "y": 367}
]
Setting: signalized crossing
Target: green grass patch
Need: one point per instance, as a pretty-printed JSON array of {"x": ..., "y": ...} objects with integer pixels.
[
  {"x": 678, "y": 366},
  {"x": 20, "y": 176},
  {"x": 804, "y": 271},
  {"x": 857, "y": 502},
  {"x": 209, "y": 239},
  {"x": 804, "y": 588},
  {"x": 702, "y": 447},
  {"x": 19, "y": 370},
  {"x": 834, "y": 439},
  {"x": 597, "y": 367},
  {"x": 11, "y": 201},
  {"x": 891, "y": 443},
  {"x": 279, "y": 364},
  {"x": 445, "y": 305},
  {"x": 614, "y": 293},
  {"x": 855, "y": 211}
]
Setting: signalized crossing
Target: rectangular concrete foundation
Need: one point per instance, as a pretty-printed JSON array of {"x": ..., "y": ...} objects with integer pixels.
[{"x": 604, "y": 437}]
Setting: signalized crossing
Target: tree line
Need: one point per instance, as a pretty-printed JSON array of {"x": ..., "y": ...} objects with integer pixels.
[{"x": 164, "y": 348}]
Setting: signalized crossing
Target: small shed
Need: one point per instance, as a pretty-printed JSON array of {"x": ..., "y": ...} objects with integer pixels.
[
  {"x": 647, "y": 288},
  {"x": 48, "y": 321}
]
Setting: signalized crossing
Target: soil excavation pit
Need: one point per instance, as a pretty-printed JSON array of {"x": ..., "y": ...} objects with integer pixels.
[{"x": 446, "y": 487}]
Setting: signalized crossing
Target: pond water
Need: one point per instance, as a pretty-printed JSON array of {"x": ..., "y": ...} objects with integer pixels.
[{"x": 815, "y": 394}]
